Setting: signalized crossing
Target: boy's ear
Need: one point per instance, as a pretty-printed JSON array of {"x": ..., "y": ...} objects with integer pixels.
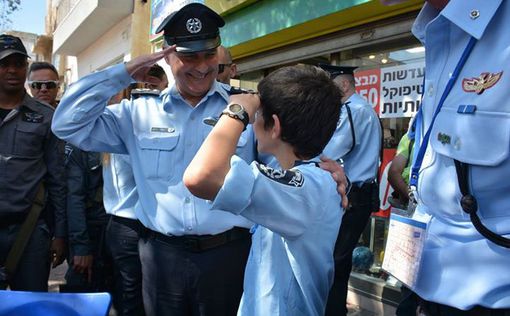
[{"x": 276, "y": 130}]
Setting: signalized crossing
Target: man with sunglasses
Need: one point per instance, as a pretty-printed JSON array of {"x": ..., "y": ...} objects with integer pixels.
[
  {"x": 226, "y": 68},
  {"x": 43, "y": 81},
  {"x": 29, "y": 155}
]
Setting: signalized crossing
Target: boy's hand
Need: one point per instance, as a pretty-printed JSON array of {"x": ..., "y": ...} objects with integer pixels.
[{"x": 250, "y": 102}]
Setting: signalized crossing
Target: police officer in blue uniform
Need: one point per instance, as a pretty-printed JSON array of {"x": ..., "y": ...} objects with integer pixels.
[
  {"x": 192, "y": 259},
  {"x": 123, "y": 233},
  {"x": 356, "y": 141},
  {"x": 462, "y": 158},
  {"x": 29, "y": 155},
  {"x": 124, "y": 230},
  {"x": 90, "y": 266}
]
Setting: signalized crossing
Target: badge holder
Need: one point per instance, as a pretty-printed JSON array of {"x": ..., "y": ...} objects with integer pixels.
[{"x": 404, "y": 248}]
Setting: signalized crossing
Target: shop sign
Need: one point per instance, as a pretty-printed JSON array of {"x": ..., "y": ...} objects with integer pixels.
[{"x": 393, "y": 91}]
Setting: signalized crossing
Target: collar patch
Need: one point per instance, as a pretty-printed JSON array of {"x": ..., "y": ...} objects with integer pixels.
[
  {"x": 288, "y": 177},
  {"x": 478, "y": 85}
]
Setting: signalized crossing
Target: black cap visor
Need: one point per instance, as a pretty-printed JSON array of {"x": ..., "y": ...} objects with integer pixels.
[
  {"x": 9, "y": 52},
  {"x": 197, "y": 45}
]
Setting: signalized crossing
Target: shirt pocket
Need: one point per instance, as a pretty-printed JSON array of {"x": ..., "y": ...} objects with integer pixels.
[
  {"x": 481, "y": 138},
  {"x": 159, "y": 155},
  {"x": 29, "y": 140}
]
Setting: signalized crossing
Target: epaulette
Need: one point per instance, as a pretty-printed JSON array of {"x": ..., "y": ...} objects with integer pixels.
[
  {"x": 235, "y": 90},
  {"x": 136, "y": 93}
]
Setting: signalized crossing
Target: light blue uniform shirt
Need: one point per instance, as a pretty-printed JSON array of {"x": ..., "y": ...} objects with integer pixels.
[
  {"x": 460, "y": 267},
  {"x": 362, "y": 162},
  {"x": 161, "y": 135},
  {"x": 119, "y": 187},
  {"x": 290, "y": 267}
]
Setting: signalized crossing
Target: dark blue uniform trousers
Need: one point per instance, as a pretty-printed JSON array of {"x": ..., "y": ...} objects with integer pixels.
[
  {"x": 33, "y": 268},
  {"x": 122, "y": 236},
  {"x": 180, "y": 280}
]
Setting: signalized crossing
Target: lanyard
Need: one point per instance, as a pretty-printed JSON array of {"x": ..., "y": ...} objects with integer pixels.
[{"x": 413, "y": 182}]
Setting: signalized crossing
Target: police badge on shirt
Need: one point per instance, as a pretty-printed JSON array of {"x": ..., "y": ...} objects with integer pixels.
[{"x": 288, "y": 177}]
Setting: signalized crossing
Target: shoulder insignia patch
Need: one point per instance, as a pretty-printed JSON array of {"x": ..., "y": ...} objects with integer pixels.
[
  {"x": 288, "y": 177},
  {"x": 32, "y": 117}
]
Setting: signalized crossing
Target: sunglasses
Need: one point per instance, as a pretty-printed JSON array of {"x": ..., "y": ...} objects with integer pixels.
[
  {"x": 221, "y": 67},
  {"x": 48, "y": 84}
]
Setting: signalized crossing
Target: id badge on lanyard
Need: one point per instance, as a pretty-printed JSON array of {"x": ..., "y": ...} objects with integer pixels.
[
  {"x": 406, "y": 236},
  {"x": 404, "y": 248}
]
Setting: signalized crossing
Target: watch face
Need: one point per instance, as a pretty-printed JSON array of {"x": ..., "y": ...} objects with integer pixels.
[{"x": 236, "y": 108}]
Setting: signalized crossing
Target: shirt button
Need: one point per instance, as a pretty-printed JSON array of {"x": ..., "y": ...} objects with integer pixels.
[
  {"x": 187, "y": 200},
  {"x": 474, "y": 14},
  {"x": 190, "y": 228},
  {"x": 430, "y": 91}
]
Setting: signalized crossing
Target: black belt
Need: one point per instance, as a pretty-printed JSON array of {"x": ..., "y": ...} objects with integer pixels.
[
  {"x": 134, "y": 224},
  {"x": 435, "y": 309},
  {"x": 199, "y": 243},
  {"x": 365, "y": 195}
]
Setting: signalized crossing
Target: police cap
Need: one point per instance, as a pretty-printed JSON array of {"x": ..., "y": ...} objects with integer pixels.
[
  {"x": 193, "y": 28},
  {"x": 338, "y": 70},
  {"x": 11, "y": 45}
]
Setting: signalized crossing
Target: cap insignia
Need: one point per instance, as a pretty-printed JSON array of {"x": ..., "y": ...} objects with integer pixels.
[{"x": 194, "y": 25}]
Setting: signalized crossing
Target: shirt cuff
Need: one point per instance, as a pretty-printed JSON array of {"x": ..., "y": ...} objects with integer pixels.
[{"x": 235, "y": 194}]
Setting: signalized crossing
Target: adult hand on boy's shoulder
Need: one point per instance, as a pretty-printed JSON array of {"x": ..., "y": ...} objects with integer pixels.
[{"x": 338, "y": 174}]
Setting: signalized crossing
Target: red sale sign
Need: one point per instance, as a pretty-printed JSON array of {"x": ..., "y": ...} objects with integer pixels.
[{"x": 368, "y": 85}]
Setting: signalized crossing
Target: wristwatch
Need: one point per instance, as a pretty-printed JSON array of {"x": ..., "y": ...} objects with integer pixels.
[{"x": 237, "y": 111}]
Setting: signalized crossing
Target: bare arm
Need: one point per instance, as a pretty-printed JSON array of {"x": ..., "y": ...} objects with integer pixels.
[
  {"x": 395, "y": 177},
  {"x": 206, "y": 173}
]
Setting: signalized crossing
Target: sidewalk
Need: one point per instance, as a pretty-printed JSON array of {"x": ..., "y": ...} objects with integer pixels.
[{"x": 354, "y": 310}]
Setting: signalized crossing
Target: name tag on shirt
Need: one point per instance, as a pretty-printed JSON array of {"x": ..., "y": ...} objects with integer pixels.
[
  {"x": 404, "y": 248},
  {"x": 162, "y": 129}
]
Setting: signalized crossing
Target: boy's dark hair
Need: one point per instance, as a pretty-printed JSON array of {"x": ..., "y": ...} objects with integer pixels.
[
  {"x": 38, "y": 65},
  {"x": 307, "y": 103},
  {"x": 156, "y": 71}
]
